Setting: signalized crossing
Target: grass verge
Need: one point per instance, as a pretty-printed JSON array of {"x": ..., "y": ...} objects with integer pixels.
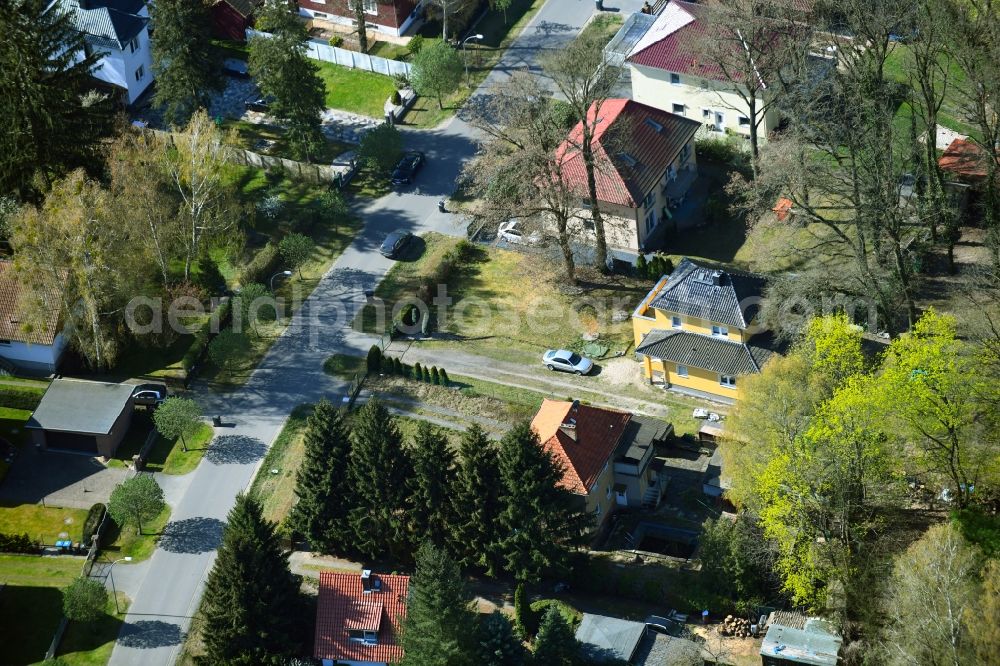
[
  {"x": 344, "y": 366},
  {"x": 91, "y": 644},
  {"x": 165, "y": 455},
  {"x": 276, "y": 489},
  {"x": 126, "y": 543},
  {"x": 31, "y": 603},
  {"x": 355, "y": 90}
]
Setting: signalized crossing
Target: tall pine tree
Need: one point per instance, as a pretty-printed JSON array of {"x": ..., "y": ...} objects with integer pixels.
[
  {"x": 186, "y": 66},
  {"x": 51, "y": 124},
  {"x": 498, "y": 645},
  {"x": 440, "y": 628},
  {"x": 433, "y": 475},
  {"x": 540, "y": 519},
  {"x": 476, "y": 501},
  {"x": 322, "y": 511},
  {"x": 379, "y": 471},
  {"x": 252, "y": 605},
  {"x": 555, "y": 644}
]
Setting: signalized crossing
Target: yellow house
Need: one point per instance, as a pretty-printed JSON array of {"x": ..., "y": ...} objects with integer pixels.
[{"x": 696, "y": 330}]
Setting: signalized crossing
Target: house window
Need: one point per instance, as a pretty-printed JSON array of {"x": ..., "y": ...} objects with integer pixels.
[
  {"x": 366, "y": 637},
  {"x": 685, "y": 153},
  {"x": 728, "y": 381},
  {"x": 650, "y": 221},
  {"x": 139, "y": 73},
  {"x": 679, "y": 109},
  {"x": 682, "y": 370},
  {"x": 720, "y": 120},
  {"x": 706, "y": 115},
  {"x": 133, "y": 45},
  {"x": 744, "y": 121},
  {"x": 675, "y": 79},
  {"x": 720, "y": 331},
  {"x": 648, "y": 201},
  {"x": 675, "y": 322},
  {"x": 371, "y": 6},
  {"x": 608, "y": 494}
]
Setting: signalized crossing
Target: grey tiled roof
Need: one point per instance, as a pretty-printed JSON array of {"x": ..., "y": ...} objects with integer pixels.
[
  {"x": 704, "y": 351},
  {"x": 603, "y": 638},
  {"x": 107, "y": 23},
  {"x": 724, "y": 296}
]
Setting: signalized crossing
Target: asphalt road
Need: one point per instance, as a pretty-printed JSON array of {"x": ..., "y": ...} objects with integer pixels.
[{"x": 167, "y": 593}]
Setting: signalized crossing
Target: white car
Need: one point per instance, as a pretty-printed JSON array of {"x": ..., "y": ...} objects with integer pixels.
[
  {"x": 512, "y": 231},
  {"x": 567, "y": 361}
]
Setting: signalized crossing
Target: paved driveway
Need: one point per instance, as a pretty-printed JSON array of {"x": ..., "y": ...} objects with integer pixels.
[{"x": 58, "y": 479}]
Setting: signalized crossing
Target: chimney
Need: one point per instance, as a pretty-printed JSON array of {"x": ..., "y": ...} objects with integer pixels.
[
  {"x": 366, "y": 581},
  {"x": 574, "y": 408}
]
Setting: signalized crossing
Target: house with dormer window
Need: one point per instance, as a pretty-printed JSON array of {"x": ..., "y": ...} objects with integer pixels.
[
  {"x": 359, "y": 617},
  {"x": 645, "y": 164},
  {"x": 697, "y": 330}
]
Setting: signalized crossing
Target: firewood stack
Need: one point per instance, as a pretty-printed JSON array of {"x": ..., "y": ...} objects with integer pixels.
[{"x": 735, "y": 626}]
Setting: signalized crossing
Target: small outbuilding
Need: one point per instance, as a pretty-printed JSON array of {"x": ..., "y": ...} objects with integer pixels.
[
  {"x": 795, "y": 639},
  {"x": 79, "y": 416}
]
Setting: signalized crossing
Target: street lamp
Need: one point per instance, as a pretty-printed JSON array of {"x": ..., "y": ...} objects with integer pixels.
[
  {"x": 279, "y": 273},
  {"x": 466, "y": 56},
  {"x": 114, "y": 592}
]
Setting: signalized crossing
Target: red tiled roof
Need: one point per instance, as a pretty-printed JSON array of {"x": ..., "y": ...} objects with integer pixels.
[
  {"x": 681, "y": 49},
  {"x": 10, "y": 312},
  {"x": 598, "y": 431},
  {"x": 964, "y": 158},
  {"x": 633, "y": 158},
  {"x": 343, "y": 606}
]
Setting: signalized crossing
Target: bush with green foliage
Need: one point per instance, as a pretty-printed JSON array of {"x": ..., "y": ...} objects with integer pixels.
[
  {"x": 435, "y": 376},
  {"x": 218, "y": 321},
  {"x": 396, "y": 99},
  {"x": 415, "y": 44},
  {"x": 228, "y": 347},
  {"x": 93, "y": 520},
  {"x": 397, "y": 366},
  {"x": 555, "y": 644},
  {"x": 525, "y": 621},
  {"x": 641, "y": 266},
  {"x": 261, "y": 266},
  {"x": 374, "y": 360},
  {"x": 296, "y": 249},
  {"x": 437, "y": 71},
  {"x": 17, "y": 543},
  {"x": 714, "y": 149},
  {"x": 444, "y": 377},
  {"x": 418, "y": 372},
  {"x": 85, "y": 600},
  {"x": 15, "y": 397},
  {"x": 427, "y": 374},
  {"x": 380, "y": 148}
]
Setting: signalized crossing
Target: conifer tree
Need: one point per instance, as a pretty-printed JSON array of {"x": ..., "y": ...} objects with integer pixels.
[
  {"x": 555, "y": 644},
  {"x": 476, "y": 498},
  {"x": 184, "y": 62},
  {"x": 539, "y": 519},
  {"x": 321, "y": 513},
  {"x": 379, "y": 471},
  {"x": 433, "y": 476},
  {"x": 440, "y": 625},
  {"x": 498, "y": 646},
  {"x": 524, "y": 617},
  {"x": 251, "y": 603}
]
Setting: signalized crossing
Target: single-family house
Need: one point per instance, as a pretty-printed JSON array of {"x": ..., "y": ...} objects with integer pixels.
[
  {"x": 670, "y": 70},
  {"x": 118, "y": 31},
  {"x": 607, "y": 456},
  {"x": 645, "y": 164},
  {"x": 391, "y": 17},
  {"x": 793, "y": 639},
  {"x": 611, "y": 639},
  {"x": 78, "y": 416},
  {"x": 35, "y": 349},
  {"x": 697, "y": 330},
  {"x": 358, "y": 618},
  {"x": 232, "y": 18}
]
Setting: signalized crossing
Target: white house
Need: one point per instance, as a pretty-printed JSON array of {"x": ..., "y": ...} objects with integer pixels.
[
  {"x": 118, "y": 31},
  {"x": 37, "y": 350},
  {"x": 669, "y": 72}
]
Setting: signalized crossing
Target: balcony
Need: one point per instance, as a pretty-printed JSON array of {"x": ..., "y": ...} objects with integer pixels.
[{"x": 674, "y": 190}]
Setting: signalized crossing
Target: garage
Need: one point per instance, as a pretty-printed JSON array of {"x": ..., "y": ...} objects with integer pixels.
[{"x": 82, "y": 417}]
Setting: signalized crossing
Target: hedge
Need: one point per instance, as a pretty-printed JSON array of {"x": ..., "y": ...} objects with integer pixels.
[
  {"x": 17, "y": 543},
  {"x": 19, "y": 398},
  {"x": 92, "y": 522},
  {"x": 262, "y": 266},
  {"x": 205, "y": 334}
]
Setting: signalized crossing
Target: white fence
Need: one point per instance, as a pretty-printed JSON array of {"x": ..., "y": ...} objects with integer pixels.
[{"x": 320, "y": 50}]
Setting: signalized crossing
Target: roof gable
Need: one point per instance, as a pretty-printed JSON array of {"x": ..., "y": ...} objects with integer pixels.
[
  {"x": 633, "y": 146},
  {"x": 716, "y": 354},
  {"x": 10, "y": 312},
  {"x": 77, "y": 405},
  {"x": 107, "y": 23},
  {"x": 597, "y": 433},
  {"x": 676, "y": 42},
  {"x": 722, "y": 296},
  {"x": 344, "y": 606}
]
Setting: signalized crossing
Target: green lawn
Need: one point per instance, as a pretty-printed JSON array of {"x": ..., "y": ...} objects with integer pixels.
[
  {"x": 126, "y": 543},
  {"x": 251, "y": 135},
  {"x": 897, "y": 68},
  {"x": 31, "y": 603},
  {"x": 165, "y": 456},
  {"x": 605, "y": 25},
  {"x": 229, "y": 49},
  {"x": 275, "y": 482},
  {"x": 355, "y": 90},
  {"x": 91, "y": 644},
  {"x": 391, "y": 51},
  {"x": 344, "y": 365},
  {"x": 45, "y": 524},
  {"x": 155, "y": 361}
]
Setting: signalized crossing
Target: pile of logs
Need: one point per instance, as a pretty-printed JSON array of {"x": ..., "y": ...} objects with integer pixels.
[{"x": 735, "y": 626}]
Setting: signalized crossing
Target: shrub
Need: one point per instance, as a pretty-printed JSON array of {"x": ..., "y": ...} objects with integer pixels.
[
  {"x": 444, "y": 377},
  {"x": 397, "y": 366},
  {"x": 374, "y": 361},
  {"x": 386, "y": 365},
  {"x": 435, "y": 375},
  {"x": 19, "y": 398},
  {"x": 418, "y": 373},
  {"x": 716, "y": 149},
  {"x": 275, "y": 173},
  {"x": 396, "y": 98},
  {"x": 92, "y": 522},
  {"x": 336, "y": 40},
  {"x": 524, "y": 620},
  {"x": 562, "y": 113},
  {"x": 17, "y": 543},
  {"x": 84, "y": 600},
  {"x": 415, "y": 44},
  {"x": 261, "y": 266},
  {"x": 205, "y": 334},
  {"x": 401, "y": 80},
  {"x": 570, "y": 614},
  {"x": 427, "y": 374},
  {"x": 641, "y": 266},
  {"x": 270, "y": 207}
]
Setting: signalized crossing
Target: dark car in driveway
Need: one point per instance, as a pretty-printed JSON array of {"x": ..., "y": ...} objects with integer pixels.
[
  {"x": 149, "y": 395},
  {"x": 394, "y": 243},
  {"x": 407, "y": 168}
]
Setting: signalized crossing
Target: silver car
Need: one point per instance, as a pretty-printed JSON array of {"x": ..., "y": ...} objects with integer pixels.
[{"x": 567, "y": 361}]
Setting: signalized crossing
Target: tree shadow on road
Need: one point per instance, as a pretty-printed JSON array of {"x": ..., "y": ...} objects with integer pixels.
[
  {"x": 192, "y": 535},
  {"x": 235, "y": 450},
  {"x": 149, "y": 634}
]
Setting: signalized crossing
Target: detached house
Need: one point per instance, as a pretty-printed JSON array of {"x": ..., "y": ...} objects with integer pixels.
[
  {"x": 34, "y": 350},
  {"x": 645, "y": 163},
  {"x": 607, "y": 456},
  {"x": 696, "y": 330},
  {"x": 358, "y": 618},
  {"x": 669, "y": 72},
  {"x": 118, "y": 31},
  {"x": 392, "y": 17}
]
